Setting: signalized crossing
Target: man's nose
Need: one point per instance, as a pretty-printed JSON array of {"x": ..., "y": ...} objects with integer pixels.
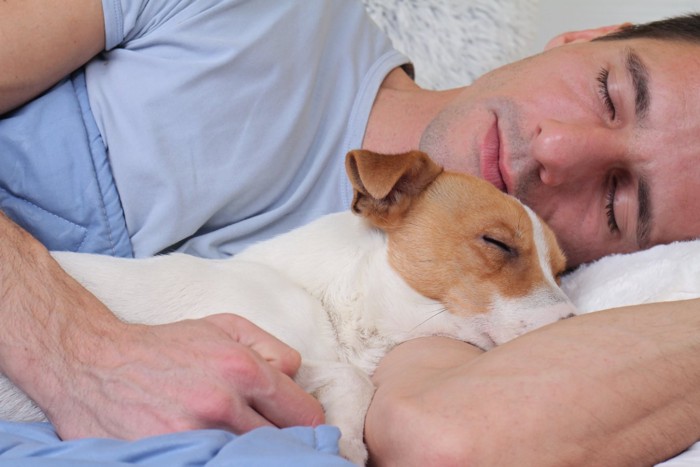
[{"x": 569, "y": 151}]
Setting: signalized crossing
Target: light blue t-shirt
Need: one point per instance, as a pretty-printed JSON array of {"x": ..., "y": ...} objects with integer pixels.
[
  {"x": 205, "y": 126},
  {"x": 227, "y": 121}
]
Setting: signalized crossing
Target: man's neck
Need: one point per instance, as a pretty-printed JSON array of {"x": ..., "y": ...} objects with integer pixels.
[{"x": 400, "y": 113}]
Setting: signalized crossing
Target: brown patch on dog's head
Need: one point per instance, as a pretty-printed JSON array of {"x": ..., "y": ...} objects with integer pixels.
[
  {"x": 464, "y": 243},
  {"x": 454, "y": 238}
]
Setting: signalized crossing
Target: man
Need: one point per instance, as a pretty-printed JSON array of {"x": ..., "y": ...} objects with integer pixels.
[{"x": 575, "y": 132}]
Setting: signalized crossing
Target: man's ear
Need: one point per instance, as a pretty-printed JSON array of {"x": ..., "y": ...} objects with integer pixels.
[
  {"x": 584, "y": 35},
  {"x": 385, "y": 185}
]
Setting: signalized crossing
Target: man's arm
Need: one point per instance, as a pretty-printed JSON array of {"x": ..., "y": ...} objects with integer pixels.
[
  {"x": 44, "y": 41},
  {"x": 619, "y": 387},
  {"x": 94, "y": 375}
]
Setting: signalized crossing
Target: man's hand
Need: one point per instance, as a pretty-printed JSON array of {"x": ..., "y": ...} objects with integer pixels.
[
  {"x": 94, "y": 375},
  {"x": 216, "y": 372}
]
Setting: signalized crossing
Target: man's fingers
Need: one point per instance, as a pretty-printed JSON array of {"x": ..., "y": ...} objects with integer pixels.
[
  {"x": 278, "y": 354},
  {"x": 247, "y": 419},
  {"x": 271, "y": 392},
  {"x": 288, "y": 405}
]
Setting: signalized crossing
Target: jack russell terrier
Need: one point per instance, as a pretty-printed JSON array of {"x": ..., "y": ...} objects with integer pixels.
[{"x": 423, "y": 252}]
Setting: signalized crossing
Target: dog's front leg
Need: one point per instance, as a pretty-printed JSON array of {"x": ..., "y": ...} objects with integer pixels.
[{"x": 345, "y": 392}]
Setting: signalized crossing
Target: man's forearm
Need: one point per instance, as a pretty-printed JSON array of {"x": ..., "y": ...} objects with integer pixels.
[
  {"x": 42, "y": 313},
  {"x": 94, "y": 375},
  {"x": 620, "y": 387}
]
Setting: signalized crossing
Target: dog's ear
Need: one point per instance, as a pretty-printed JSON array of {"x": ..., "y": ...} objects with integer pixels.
[{"x": 385, "y": 185}]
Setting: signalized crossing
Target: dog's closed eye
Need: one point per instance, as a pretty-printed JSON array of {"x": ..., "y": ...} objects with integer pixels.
[{"x": 501, "y": 245}]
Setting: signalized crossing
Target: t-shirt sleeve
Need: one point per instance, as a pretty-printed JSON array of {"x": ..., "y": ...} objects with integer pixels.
[
  {"x": 114, "y": 23},
  {"x": 129, "y": 20}
]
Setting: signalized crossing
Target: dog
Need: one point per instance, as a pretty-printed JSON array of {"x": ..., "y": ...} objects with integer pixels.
[{"x": 421, "y": 252}]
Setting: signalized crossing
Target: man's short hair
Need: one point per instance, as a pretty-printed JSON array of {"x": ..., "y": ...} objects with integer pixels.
[{"x": 684, "y": 28}]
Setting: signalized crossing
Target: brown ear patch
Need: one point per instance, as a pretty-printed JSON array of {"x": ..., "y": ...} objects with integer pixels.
[{"x": 385, "y": 185}]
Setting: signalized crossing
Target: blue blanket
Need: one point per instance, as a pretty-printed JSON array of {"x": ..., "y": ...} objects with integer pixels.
[{"x": 37, "y": 445}]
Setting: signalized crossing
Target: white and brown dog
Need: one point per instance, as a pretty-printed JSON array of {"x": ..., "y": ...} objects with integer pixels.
[{"x": 424, "y": 252}]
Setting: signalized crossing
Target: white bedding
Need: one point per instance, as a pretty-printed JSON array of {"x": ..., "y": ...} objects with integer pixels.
[
  {"x": 689, "y": 458},
  {"x": 662, "y": 273}
]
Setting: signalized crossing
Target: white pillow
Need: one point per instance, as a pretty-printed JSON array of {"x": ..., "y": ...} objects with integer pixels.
[{"x": 663, "y": 273}]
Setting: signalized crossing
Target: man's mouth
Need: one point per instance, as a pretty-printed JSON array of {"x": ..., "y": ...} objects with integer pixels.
[{"x": 491, "y": 158}]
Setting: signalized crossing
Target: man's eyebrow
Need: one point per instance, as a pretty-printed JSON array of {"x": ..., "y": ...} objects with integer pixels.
[
  {"x": 639, "y": 75},
  {"x": 644, "y": 220}
]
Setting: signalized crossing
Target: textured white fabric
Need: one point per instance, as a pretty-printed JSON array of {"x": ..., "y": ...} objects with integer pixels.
[
  {"x": 663, "y": 273},
  {"x": 452, "y": 42}
]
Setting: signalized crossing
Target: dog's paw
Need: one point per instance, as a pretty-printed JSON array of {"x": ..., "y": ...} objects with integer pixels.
[{"x": 353, "y": 449}]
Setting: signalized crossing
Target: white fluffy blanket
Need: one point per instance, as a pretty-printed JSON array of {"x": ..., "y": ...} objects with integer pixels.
[
  {"x": 452, "y": 42},
  {"x": 663, "y": 273}
]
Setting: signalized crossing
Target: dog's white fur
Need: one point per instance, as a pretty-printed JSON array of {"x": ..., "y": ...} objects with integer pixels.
[{"x": 329, "y": 290}]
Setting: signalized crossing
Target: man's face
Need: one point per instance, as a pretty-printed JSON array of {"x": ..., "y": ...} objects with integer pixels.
[{"x": 599, "y": 138}]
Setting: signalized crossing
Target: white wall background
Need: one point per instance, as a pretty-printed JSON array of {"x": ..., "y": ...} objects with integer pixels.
[{"x": 557, "y": 16}]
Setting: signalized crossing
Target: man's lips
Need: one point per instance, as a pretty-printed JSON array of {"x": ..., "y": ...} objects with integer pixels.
[{"x": 491, "y": 158}]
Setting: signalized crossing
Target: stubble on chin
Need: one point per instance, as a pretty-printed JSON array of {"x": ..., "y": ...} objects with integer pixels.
[
  {"x": 447, "y": 145},
  {"x": 433, "y": 140}
]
